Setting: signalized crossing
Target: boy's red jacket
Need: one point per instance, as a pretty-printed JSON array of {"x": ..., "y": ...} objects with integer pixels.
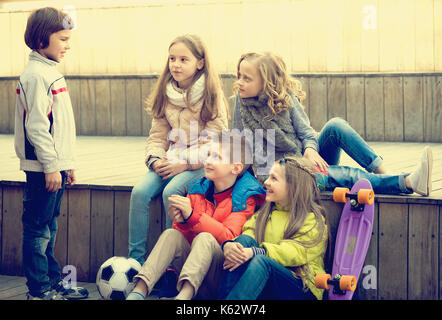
[{"x": 233, "y": 207}]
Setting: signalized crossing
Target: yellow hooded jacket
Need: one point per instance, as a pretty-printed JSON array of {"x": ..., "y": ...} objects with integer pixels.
[{"x": 289, "y": 252}]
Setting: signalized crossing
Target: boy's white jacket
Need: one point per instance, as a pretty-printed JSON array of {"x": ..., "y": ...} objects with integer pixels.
[{"x": 44, "y": 120}]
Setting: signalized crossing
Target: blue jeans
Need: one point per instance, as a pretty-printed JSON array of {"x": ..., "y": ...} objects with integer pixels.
[
  {"x": 337, "y": 135},
  {"x": 342, "y": 176},
  {"x": 143, "y": 192},
  {"x": 261, "y": 278},
  {"x": 40, "y": 210}
]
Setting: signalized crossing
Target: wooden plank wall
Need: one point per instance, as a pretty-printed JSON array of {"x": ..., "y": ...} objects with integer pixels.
[
  {"x": 312, "y": 36},
  {"x": 381, "y": 107},
  {"x": 403, "y": 261},
  {"x": 92, "y": 227}
]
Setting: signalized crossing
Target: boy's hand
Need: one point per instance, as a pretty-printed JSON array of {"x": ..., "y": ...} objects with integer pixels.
[
  {"x": 175, "y": 214},
  {"x": 70, "y": 177},
  {"x": 182, "y": 204},
  {"x": 53, "y": 181}
]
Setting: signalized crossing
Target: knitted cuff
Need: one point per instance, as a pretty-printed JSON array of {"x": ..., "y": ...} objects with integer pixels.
[{"x": 258, "y": 250}]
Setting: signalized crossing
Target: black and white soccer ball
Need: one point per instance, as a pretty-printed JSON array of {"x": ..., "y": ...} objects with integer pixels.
[{"x": 115, "y": 277}]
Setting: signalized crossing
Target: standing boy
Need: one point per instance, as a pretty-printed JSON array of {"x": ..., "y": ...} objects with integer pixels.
[{"x": 44, "y": 142}]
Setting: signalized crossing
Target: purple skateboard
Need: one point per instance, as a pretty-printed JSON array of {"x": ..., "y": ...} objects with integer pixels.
[{"x": 353, "y": 237}]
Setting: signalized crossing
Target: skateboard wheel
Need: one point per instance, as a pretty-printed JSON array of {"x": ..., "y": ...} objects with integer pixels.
[
  {"x": 347, "y": 283},
  {"x": 321, "y": 281},
  {"x": 339, "y": 194},
  {"x": 365, "y": 196}
]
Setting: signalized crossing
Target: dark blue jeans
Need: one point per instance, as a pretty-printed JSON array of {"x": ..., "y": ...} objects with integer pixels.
[
  {"x": 338, "y": 135},
  {"x": 346, "y": 177},
  {"x": 40, "y": 209},
  {"x": 261, "y": 278}
]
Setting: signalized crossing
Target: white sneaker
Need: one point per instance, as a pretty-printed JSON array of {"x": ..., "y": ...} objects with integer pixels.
[{"x": 420, "y": 179}]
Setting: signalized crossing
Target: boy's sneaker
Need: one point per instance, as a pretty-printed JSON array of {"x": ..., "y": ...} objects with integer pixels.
[
  {"x": 420, "y": 179},
  {"x": 168, "y": 284},
  {"x": 71, "y": 293},
  {"x": 48, "y": 295}
]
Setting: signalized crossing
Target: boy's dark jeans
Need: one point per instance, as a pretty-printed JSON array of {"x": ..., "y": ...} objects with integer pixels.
[{"x": 40, "y": 209}]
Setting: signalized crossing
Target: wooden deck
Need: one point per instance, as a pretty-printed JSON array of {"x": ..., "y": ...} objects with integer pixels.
[
  {"x": 14, "y": 288},
  {"x": 93, "y": 224}
]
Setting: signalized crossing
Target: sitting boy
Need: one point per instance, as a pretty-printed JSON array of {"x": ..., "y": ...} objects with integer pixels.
[{"x": 215, "y": 209}]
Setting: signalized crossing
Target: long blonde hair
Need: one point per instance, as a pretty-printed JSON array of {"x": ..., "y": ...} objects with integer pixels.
[
  {"x": 213, "y": 95},
  {"x": 278, "y": 85},
  {"x": 304, "y": 199}
]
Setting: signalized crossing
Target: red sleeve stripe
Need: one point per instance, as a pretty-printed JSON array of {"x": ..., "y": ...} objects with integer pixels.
[{"x": 59, "y": 90}]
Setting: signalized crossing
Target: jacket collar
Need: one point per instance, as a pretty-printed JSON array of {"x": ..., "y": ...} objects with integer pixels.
[
  {"x": 34, "y": 55},
  {"x": 245, "y": 186}
]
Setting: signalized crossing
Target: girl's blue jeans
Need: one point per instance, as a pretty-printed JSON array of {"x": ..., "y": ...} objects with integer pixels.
[
  {"x": 261, "y": 278},
  {"x": 338, "y": 135},
  {"x": 40, "y": 210},
  {"x": 143, "y": 192}
]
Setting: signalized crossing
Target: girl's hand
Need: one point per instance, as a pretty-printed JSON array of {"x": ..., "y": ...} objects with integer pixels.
[
  {"x": 317, "y": 160},
  {"x": 175, "y": 214},
  {"x": 235, "y": 255},
  {"x": 157, "y": 164},
  {"x": 182, "y": 204},
  {"x": 166, "y": 169}
]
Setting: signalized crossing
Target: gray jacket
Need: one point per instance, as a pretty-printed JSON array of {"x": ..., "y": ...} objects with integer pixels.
[
  {"x": 304, "y": 134},
  {"x": 44, "y": 120}
]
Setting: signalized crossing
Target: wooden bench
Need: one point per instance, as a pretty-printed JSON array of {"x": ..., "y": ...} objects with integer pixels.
[{"x": 403, "y": 260}]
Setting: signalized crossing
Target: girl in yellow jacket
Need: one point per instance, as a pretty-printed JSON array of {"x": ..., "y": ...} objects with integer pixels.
[
  {"x": 186, "y": 101},
  {"x": 282, "y": 246}
]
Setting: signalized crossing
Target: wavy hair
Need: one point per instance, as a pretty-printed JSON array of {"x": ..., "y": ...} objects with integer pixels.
[{"x": 278, "y": 85}]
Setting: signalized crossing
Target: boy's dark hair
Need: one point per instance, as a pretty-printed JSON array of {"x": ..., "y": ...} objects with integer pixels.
[{"x": 44, "y": 22}]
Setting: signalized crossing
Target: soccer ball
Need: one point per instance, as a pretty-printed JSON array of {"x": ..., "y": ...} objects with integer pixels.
[{"x": 115, "y": 277}]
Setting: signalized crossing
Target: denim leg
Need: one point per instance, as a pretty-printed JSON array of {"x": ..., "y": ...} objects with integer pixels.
[
  {"x": 230, "y": 278},
  {"x": 342, "y": 176},
  {"x": 54, "y": 271},
  {"x": 40, "y": 209},
  {"x": 266, "y": 278},
  {"x": 179, "y": 185},
  {"x": 142, "y": 193},
  {"x": 337, "y": 134}
]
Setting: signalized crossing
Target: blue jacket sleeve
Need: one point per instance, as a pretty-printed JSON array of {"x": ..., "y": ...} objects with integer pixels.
[
  {"x": 237, "y": 122},
  {"x": 301, "y": 124}
]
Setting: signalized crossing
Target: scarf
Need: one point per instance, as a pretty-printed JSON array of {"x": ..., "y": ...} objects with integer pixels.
[
  {"x": 179, "y": 97},
  {"x": 255, "y": 114}
]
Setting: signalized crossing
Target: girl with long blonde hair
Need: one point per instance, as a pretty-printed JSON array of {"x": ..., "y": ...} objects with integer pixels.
[
  {"x": 187, "y": 98},
  {"x": 268, "y": 102}
]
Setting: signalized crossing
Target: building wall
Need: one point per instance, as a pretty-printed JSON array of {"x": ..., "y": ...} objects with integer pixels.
[{"x": 311, "y": 35}]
